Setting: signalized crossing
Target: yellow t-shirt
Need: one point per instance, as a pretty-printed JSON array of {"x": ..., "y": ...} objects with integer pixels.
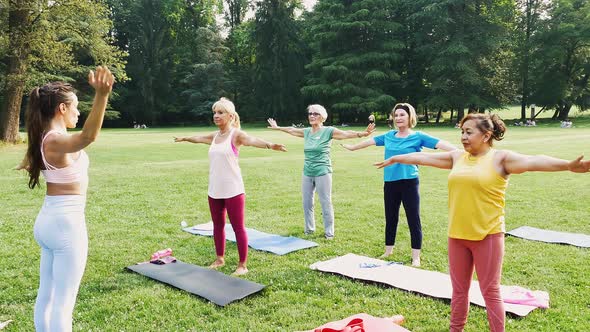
[{"x": 477, "y": 197}]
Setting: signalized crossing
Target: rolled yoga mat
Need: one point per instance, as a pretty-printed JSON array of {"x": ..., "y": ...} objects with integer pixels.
[
  {"x": 536, "y": 234},
  {"x": 214, "y": 286},
  {"x": 431, "y": 283},
  {"x": 277, "y": 244}
]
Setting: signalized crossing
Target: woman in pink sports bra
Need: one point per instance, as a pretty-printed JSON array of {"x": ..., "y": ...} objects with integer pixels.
[
  {"x": 226, "y": 187},
  {"x": 60, "y": 227}
]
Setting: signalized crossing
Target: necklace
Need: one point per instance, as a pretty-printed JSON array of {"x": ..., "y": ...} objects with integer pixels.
[{"x": 223, "y": 134}]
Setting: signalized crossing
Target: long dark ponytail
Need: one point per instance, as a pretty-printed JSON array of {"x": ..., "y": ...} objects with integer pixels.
[{"x": 43, "y": 101}]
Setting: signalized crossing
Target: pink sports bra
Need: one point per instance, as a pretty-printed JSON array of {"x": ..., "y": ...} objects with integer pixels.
[{"x": 74, "y": 172}]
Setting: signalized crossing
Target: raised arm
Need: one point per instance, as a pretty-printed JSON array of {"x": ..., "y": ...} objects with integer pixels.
[
  {"x": 244, "y": 139},
  {"x": 205, "y": 139},
  {"x": 442, "y": 160},
  {"x": 360, "y": 145},
  {"x": 102, "y": 81},
  {"x": 289, "y": 130},
  {"x": 341, "y": 134},
  {"x": 516, "y": 163},
  {"x": 444, "y": 145}
]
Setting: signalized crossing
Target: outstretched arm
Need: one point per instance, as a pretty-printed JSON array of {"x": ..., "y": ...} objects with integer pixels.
[
  {"x": 516, "y": 163},
  {"x": 360, "y": 145},
  {"x": 341, "y": 134},
  {"x": 102, "y": 81},
  {"x": 442, "y": 160},
  {"x": 244, "y": 139},
  {"x": 289, "y": 130},
  {"x": 444, "y": 145},
  {"x": 205, "y": 139}
]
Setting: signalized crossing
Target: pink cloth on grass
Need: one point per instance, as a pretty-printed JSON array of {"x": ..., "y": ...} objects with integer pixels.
[
  {"x": 519, "y": 295},
  {"x": 366, "y": 321}
]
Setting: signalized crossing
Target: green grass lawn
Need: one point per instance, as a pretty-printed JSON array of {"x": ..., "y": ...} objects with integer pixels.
[{"x": 143, "y": 185}]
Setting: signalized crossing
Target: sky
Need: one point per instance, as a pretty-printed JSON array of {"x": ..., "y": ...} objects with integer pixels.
[{"x": 309, "y": 4}]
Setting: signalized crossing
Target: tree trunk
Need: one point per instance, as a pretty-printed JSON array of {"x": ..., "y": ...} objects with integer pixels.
[
  {"x": 564, "y": 111},
  {"x": 426, "y": 114},
  {"x": 438, "y": 115},
  {"x": 451, "y": 118},
  {"x": 19, "y": 23},
  {"x": 460, "y": 113}
]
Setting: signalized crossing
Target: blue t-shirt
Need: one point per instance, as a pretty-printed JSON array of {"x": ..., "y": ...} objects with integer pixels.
[{"x": 401, "y": 145}]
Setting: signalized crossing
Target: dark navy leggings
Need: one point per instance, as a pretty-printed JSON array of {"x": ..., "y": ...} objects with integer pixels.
[{"x": 394, "y": 194}]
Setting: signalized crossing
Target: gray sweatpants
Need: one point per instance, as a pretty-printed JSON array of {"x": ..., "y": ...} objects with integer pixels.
[{"x": 323, "y": 184}]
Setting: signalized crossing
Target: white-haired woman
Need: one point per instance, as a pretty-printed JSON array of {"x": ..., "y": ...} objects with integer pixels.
[
  {"x": 401, "y": 184},
  {"x": 226, "y": 187},
  {"x": 317, "y": 168}
]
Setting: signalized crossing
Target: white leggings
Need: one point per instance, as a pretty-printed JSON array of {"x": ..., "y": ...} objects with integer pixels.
[{"x": 60, "y": 230}]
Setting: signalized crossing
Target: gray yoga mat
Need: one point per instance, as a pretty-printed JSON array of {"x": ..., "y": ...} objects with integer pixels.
[
  {"x": 277, "y": 244},
  {"x": 536, "y": 234},
  {"x": 214, "y": 286}
]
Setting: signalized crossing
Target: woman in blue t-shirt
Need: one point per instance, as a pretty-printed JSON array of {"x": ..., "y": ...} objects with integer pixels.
[
  {"x": 401, "y": 181},
  {"x": 317, "y": 168}
]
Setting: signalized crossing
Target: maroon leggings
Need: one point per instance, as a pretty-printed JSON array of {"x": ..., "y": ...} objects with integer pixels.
[{"x": 234, "y": 207}]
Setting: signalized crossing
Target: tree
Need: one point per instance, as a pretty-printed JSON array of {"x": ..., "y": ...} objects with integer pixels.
[
  {"x": 528, "y": 25},
  {"x": 51, "y": 40},
  {"x": 562, "y": 59},
  {"x": 280, "y": 59},
  {"x": 355, "y": 57},
  {"x": 463, "y": 69}
]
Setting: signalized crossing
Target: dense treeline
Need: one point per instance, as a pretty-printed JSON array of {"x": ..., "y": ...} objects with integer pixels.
[{"x": 174, "y": 58}]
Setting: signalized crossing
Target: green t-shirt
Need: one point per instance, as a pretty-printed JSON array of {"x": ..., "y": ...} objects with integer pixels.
[{"x": 317, "y": 151}]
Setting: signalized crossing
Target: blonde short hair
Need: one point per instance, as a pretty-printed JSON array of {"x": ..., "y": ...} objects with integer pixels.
[
  {"x": 409, "y": 109},
  {"x": 226, "y": 105},
  {"x": 320, "y": 109}
]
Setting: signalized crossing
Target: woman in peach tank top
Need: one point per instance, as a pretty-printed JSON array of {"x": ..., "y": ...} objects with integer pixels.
[
  {"x": 477, "y": 188},
  {"x": 226, "y": 192},
  {"x": 60, "y": 227}
]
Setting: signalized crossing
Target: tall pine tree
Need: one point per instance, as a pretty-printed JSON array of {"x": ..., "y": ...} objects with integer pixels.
[
  {"x": 280, "y": 60},
  {"x": 356, "y": 53}
]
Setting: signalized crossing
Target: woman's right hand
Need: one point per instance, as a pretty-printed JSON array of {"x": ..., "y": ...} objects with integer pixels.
[
  {"x": 272, "y": 123},
  {"x": 102, "y": 80},
  {"x": 178, "y": 139}
]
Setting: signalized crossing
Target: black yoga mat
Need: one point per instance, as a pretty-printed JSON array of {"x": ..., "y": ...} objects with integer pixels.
[{"x": 214, "y": 286}]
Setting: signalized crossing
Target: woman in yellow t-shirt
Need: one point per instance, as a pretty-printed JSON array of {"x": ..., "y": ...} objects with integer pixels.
[{"x": 477, "y": 191}]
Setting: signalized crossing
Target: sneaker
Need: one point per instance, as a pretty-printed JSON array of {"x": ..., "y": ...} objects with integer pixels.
[{"x": 330, "y": 238}]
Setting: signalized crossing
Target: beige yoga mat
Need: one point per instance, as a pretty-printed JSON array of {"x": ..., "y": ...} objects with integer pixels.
[{"x": 431, "y": 283}]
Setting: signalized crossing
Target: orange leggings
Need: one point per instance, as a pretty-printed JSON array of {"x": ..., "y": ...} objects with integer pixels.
[{"x": 486, "y": 257}]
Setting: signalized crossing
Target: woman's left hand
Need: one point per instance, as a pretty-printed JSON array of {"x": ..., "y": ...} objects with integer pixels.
[{"x": 579, "y": 166}]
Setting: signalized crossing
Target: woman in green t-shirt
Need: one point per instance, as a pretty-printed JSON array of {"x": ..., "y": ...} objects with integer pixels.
[{"x": 317, "y": 168}]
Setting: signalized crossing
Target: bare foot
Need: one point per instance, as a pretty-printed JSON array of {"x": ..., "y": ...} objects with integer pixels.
[
  {"x": 388, "y": 252},
  {"x": 397, "y": 319},
  {"x": 240, "y": 271},
  {"x": 219, "y": 262}
]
